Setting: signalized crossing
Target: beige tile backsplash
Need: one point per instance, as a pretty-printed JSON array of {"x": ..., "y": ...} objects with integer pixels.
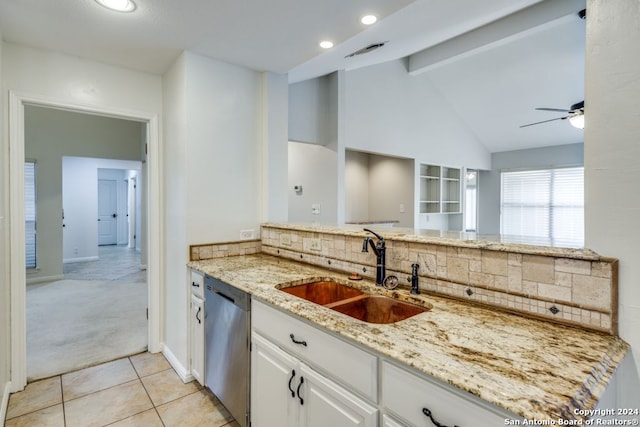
[{"x": 559, "y": 288}]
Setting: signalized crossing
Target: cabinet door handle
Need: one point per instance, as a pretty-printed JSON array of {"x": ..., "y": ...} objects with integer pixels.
[
  {"x": 427, "y": 412},
  {"x": 298, "y": 391},
  {"x": 197, "y": 285},
  {"x": 293, "y": 374},
  {"x": 198, "y": 315},
  {"x": 293, "y": 338}
]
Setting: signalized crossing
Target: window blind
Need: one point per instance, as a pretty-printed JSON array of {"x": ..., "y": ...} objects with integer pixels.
[
  {"x": 547, "y": 205},
  {"x": 30, "y": 213}
]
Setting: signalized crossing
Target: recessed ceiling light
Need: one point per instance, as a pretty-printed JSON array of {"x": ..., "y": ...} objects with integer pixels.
[
  {"x": 326, "y": 44},
  {"x": 368, "y": 19},
  {"x": 118, "y": 5}
]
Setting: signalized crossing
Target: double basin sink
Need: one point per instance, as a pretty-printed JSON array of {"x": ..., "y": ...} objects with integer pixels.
[{"x": 354, "y": 302}]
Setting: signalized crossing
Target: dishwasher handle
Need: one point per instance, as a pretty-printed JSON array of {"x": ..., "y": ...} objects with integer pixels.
[{"x": 228, "y": 298}]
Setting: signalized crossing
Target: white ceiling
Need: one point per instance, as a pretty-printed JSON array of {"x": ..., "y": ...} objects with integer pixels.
[{"x": 493, "y": 90}]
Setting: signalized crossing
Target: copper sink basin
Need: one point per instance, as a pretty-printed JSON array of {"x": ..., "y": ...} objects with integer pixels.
[
  {"x": 323, "y": 292},
  {"x": 354, "y": 302},
  {"x": 377, "y": 309}
]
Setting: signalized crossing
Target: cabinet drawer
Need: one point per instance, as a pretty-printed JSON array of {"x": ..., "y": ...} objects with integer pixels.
[
  {"x": 342, "y": 361},
  {"x": 196, "y": 283},
  {"x": 406, "y": 394}
]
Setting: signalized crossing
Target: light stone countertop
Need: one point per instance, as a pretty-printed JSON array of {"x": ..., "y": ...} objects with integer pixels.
[{"x": 532, "y": 368}]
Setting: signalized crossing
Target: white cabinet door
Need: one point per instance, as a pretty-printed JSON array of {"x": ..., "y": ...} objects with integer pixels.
[
  {"x": 325, "y": 403},
  {"x": 388, "y": 421},
  {"x": 416, "y": 400},
  {"x": 275, "y": 378},
  {"x": 197, "y": 338}
]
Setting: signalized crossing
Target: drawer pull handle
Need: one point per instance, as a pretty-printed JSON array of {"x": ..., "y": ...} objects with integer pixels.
[
  {"x": 197, "y": 285},
  {"x": 293, "y": 374},
  {"x": 198, "y": 315},
  {"x": 298, "y": 391},
  {"x": 293, "y": 338},
  {"x": 427, "y": 412}
]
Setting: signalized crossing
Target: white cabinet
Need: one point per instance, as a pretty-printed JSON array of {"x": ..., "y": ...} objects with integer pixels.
[
  {"x": 439, "y": 189},
  {"x": 416, "y": 399},
  {"x": 197, "y": 338},
  {"x": 196, "y": 325},
  {"x": 287, "y": 392}
]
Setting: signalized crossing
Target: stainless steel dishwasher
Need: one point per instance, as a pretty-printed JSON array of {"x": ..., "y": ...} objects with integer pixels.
[{"x": 227, "y": 322}]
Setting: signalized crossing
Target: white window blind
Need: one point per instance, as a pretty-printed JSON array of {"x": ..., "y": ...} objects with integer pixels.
[
  {"x": 547, "y": 205},
  {"x": 30, "y": 213}
]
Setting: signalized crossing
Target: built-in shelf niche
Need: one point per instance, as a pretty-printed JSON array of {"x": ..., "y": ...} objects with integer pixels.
[{"x": 439, "y": 189}]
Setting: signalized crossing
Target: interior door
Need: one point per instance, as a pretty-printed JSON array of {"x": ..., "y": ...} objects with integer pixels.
[{"x": 107, "y": 212}]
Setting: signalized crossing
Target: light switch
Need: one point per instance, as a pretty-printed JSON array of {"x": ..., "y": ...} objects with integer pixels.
[
  {"x": 315, "y": 208},
  {"x": 401, "y": 207}
]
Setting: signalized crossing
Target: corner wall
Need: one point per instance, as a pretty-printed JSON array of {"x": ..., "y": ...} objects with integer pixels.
[{"x": 612, "y": 161}]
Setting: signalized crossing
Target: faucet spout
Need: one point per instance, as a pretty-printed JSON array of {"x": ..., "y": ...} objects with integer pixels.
[{"x": 379, "y": 249}]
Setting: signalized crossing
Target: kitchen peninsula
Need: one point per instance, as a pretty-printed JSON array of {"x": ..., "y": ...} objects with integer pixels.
[{"x": 487, "y": 337}]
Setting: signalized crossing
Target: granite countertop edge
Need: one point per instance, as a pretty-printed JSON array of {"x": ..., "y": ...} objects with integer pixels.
[{"x": 531, "y": 368}]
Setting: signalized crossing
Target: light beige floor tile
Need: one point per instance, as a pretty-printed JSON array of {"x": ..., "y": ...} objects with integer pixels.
[
  {"x": 107, "y": 406},
  {"x": 149, "y": 363},
  {"x": 197, "y": 409},
  {"x": 37, "y": 395},
  {"x": 96, "y": 378},
  {"x": 148, "y": 418},
  {"x": 52, "y": 416},
  {"x": 166, "y": 386}
]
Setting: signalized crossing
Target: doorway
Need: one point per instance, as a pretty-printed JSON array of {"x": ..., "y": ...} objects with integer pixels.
[{"x": 151, "y": 241}]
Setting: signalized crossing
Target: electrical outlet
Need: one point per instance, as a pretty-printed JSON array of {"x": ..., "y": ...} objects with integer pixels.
[
  {"x": 246, "y": 234},
  {"x": 401, "y": 207},
  {"x": 285, "y": 239},
  {"x": 312, "y": 244}
]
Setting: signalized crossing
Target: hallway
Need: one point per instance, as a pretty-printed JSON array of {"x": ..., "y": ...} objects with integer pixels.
[{"x": 97, "y": 313}]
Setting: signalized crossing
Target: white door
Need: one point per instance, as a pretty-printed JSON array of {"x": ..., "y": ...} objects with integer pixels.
[
  {"x": 275, "y": 377},
  {"x": 107, "y": 212},
  {"x": 328, "y": 404}
]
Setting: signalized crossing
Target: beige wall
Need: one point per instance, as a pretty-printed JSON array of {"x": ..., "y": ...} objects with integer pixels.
[{"x": 51, "y": 134}]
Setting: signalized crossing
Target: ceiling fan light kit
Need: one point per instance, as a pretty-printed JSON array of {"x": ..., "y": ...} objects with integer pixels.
[{"x": 575, "y": 115}]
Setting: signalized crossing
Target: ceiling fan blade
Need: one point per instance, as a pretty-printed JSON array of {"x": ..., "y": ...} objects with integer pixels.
[
  {"x": 553, "y": 109},
  {"x": 544, "y": 121}
]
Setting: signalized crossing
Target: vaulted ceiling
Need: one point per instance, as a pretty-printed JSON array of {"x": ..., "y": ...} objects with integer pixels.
[{"x": 493, "y": 82}]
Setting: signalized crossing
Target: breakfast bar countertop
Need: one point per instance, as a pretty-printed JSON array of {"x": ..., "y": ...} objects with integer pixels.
[{"x": 532, "y": 368}]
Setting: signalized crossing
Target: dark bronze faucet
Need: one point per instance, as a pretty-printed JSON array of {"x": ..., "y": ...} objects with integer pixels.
[{"x": 379, "y": 249}]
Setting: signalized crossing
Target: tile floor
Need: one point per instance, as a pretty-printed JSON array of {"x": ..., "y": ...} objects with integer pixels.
[{"x": 141, "y": 390}]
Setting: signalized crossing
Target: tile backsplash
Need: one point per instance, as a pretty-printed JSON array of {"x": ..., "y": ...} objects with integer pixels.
[
  {"x": 565, "y": 286},
  {"x": 219, "y": 250}
]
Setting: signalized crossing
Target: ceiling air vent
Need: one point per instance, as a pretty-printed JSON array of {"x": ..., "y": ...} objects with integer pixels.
[{"x": 367, "y": 49}]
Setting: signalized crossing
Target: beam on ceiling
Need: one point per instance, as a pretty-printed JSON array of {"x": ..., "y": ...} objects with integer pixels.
[{"x": 504, "y": 30}]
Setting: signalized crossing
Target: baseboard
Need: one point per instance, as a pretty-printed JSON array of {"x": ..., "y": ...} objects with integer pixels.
[
  {"x": 34, "y": 280},
  {"x": 184, "y": 373},
  {"x": 84, "y": 259},
  {"x": 5, "y": 401}
]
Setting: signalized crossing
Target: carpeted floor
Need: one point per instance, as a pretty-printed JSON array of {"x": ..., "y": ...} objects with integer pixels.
[{"x": 75, "y": 323}]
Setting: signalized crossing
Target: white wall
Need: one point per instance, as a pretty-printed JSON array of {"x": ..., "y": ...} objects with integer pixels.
[
  {"x": 391, "y": 112},
  {"x": 612, "y": 161},
  {"x": 5, "y": 324},
  {"x": 51, "y": 134},
  {"x": 535, "y": 158},
  {"x": 376, "y": 186},
  {"x": 80, "y": 203},
  {"x": 213, "y": 169},
  {"x": 310, "y": 110},
  {"x": 356, "y": 186},
  {"x": 314, "y": 167}
]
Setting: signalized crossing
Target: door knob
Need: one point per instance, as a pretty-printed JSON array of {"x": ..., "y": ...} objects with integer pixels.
[{"x": 114, "y": 215}]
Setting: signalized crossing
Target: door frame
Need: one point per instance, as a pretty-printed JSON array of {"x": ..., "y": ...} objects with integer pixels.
[{"x": 154, "y": 235}]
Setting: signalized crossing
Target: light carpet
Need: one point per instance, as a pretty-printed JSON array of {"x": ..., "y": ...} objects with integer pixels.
[{"x": 72, "y": 324}]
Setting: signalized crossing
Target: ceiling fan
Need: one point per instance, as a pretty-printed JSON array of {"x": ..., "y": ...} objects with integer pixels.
[{"x": 575, "y": 115}]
